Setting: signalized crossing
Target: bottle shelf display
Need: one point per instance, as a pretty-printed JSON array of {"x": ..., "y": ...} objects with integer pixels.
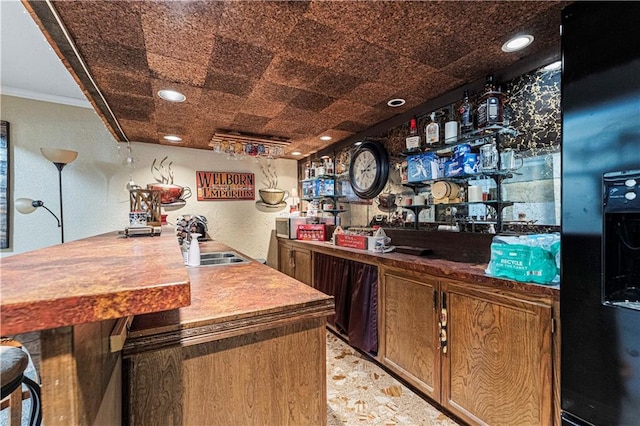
[
  {"x": 459, "y": 163},
  {"x": 319, "y": 186}
]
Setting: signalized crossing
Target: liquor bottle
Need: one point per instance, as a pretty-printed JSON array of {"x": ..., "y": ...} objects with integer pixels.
[
  {"x": 413, "y": 141},
  {"x": 490, "y": 105},
  {"x": 466, "y": 116},
  {"x": 329, "y": 166},
  {"x": 432, "y": 131},
  {"x": 451, "y": 128}
]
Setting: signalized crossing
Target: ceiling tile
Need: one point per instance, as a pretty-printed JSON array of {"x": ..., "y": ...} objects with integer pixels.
[
  {"x": 311, "y": 101},
  {"x": 261, "y": 107},
  {"x": 180, "y": 30},
  {"x": 229, "y": 83},
  {"x": 291, "y": 72},
  {"x": 265, "y": 24},
  {"x": 336, "y": 84},
  {"x": 239, "y": 57},
  {"x": 167, "y": 68},
  {"x": 315, "y": 43}
]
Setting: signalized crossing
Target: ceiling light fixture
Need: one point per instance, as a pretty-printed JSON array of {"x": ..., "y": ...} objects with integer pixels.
[
  {"x": 358, "y": 143},
  {"x": 296, "y": 153},
  {"x": 171, "y": 95},
  {"x": 517, "y": 43},
  {"x": 553, "y": 66},
  {"x": 172, "y": 138},
  {"x": 325, "y": 138},
  {"x": 394, "y": 103}
]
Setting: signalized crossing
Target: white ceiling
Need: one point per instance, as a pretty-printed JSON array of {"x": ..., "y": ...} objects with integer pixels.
[{"x": 29, "y": 67}]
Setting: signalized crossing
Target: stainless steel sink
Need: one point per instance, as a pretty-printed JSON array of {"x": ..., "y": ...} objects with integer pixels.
[
  {"x": 218, "y": 255},
  {"x": 222, "y": 258}
]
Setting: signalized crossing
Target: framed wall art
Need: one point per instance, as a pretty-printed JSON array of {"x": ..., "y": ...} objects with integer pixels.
[{"x": 4, "y": 185}]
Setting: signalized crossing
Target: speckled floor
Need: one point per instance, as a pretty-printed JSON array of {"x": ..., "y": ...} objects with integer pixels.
[{"x": 361, "y": 393}]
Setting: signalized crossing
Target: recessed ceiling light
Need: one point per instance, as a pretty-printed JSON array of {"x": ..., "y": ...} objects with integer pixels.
[
  {"x": 325, "y": 138},
  {"x": 394, "y": 103},
  {"x": 296, "y": 153},
  {"x": 171, "y": 95},
  {"x": 172, "y": 138},
  {"x": 517, "y": 43},
  {"x": 553, "y": 66}
]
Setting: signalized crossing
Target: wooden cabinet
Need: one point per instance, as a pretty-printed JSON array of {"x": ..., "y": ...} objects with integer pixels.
[
  {"x": 409, "y": 318},
  {"x": 498, "y": 364},
  {"x": 485, "y": 355},
  {"x": 295, "y": 262}
]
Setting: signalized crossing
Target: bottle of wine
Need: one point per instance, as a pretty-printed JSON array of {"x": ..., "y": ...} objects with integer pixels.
[
  {"x": 413, "y": 141},
  {"x": 432, "y": 131},
  {"x": 490, "y": 105},
  {"x": 466, "y": 116}
]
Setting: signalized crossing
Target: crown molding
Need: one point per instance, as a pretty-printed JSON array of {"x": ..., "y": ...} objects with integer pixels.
[{"x": 45, "y": 97}]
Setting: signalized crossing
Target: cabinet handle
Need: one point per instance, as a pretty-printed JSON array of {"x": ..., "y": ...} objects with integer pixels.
[
  {"x": 292, "y": 259},
  {"x": 443, "y": 324}
]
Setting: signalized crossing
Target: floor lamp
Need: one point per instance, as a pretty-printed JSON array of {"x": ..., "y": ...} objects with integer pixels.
[{"x": 60, "y": 158}]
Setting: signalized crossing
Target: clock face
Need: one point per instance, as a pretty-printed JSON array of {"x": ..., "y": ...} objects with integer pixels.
[
  {"x": 369, "y": 169},
  {"x": 365, "y": 169}
]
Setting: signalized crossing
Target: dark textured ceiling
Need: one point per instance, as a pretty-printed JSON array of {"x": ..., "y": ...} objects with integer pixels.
[{"x": 296, "y": 70}]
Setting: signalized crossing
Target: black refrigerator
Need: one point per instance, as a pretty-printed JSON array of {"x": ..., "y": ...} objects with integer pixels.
[{"x": 600, "y": 275}]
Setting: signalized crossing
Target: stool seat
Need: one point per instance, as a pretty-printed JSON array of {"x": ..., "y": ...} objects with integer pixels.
[{"x": 13, "y": 363}]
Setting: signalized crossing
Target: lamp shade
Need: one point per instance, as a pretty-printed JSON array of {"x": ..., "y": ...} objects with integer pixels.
[
  {"x": 57, "y": 155},
  {"x": 25, "y": 205}
]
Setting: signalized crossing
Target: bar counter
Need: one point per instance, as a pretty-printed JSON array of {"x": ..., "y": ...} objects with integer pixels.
[
  {"x": 94, "y": 279},
  {"x": 73, "y": 296}
]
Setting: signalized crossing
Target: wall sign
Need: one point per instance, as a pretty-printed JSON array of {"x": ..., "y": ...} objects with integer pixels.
[{"x": 225, "y": 186}]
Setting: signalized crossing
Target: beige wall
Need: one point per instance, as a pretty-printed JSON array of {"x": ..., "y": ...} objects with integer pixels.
[{"x": 95, "y": 199}]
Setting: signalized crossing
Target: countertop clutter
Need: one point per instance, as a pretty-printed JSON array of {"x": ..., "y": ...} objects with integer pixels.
[
  {"x": 467, "y": 272},
  {"x": 94, "y": 279}
]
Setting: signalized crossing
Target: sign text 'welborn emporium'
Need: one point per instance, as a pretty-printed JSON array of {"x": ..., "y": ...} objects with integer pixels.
[{"x": 225, "y": 186}]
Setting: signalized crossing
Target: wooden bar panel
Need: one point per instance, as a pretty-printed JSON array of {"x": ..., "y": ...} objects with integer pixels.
[{"x": 275, "y": 376}]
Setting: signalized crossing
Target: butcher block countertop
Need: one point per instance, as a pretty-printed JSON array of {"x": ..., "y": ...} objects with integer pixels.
[
  {"x": 93, "y": 279},
  {"x": 228, "y": 300}
]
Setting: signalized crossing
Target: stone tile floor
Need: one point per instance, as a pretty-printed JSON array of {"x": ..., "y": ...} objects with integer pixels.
[{"x": 361, "y": 393}]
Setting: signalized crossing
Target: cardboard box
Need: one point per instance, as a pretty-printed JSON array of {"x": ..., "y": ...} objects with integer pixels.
[
  {"x": 353, "y": 241},
  {"x": 421, "y": 167},
  {"x": 453, "y": 167},
  {"x": 312, "y": 232}
]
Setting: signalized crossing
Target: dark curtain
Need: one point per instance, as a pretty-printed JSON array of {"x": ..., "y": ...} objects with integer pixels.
[
  {"x": 363, "y": 313},
  {"x": 354, "y": 286},
  {"x": 332, "y": 278}
]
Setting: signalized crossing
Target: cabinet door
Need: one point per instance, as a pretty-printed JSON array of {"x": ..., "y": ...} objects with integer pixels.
[
  {"x": 285, "y": 259},
  {"x": 411, "y": 330},
  {"x": 498, "y": 365},
  {"x": 302, "y": 265}
]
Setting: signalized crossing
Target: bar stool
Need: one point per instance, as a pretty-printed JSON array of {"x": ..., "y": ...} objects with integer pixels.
[{"x": 13, "y": 363}]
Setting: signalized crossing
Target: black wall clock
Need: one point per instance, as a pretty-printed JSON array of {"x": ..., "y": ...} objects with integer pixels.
[{"x": 369, "y": 169}]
